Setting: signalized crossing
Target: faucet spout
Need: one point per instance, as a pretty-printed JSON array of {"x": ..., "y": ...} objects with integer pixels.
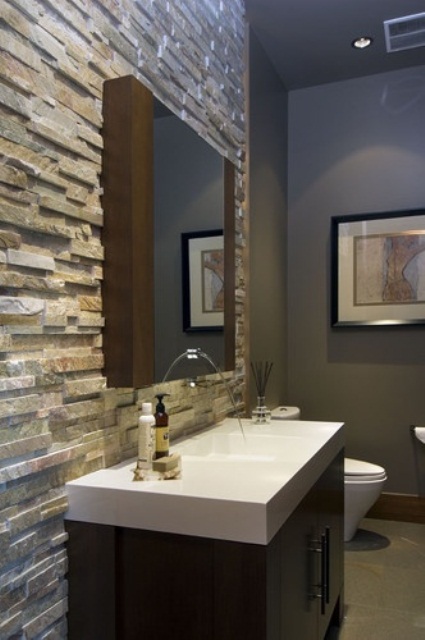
[{"x": 195, "y": 354}]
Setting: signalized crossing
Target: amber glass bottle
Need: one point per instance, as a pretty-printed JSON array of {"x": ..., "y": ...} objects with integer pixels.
[{"x": 162, "y": 431}]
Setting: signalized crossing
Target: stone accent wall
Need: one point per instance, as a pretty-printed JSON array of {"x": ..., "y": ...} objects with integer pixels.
[{"x": 58, "y": 417}]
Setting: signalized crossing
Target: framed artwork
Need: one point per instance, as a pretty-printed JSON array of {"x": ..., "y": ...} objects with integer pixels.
[
  {"x": 378, "y": 269},
  {"x": 203, "y": 280}
]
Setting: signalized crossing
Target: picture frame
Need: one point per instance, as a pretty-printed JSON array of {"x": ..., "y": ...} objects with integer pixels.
[
  {"x": 203, "y": 280},
  {"x": 378, "y": 269}
]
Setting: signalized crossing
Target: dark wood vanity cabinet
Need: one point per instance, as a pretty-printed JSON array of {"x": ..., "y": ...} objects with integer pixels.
[{"x": 127, "y": 584}]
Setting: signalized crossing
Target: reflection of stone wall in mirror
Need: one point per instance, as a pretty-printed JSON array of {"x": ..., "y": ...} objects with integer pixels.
[{"x": 188, "y": 197}]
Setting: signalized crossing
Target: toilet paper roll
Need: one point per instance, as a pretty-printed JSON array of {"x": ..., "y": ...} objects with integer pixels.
[{"x": 419, "y": 433}]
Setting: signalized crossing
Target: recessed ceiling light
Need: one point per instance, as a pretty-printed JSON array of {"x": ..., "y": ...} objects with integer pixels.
[{"x": 362, "y": 43}]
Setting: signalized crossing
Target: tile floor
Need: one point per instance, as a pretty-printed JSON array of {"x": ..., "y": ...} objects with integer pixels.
[{"x": 384, "y": 583}]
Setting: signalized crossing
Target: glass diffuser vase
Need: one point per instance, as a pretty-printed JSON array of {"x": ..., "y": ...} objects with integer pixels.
[
  {"x": 261, "y": 372},
  {"x": 261, "y": 414}
]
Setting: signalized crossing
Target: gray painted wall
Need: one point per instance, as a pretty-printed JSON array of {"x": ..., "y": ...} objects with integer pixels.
[
  {"x": 356, "y": 146},
  {"x": 268, "y": 218}
]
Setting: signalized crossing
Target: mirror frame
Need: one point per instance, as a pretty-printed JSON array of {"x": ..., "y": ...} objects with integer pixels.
[{"x": 128, "y": 237}]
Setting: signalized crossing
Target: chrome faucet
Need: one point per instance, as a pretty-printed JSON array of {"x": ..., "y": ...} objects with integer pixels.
[{"x": 195, "y": 354}]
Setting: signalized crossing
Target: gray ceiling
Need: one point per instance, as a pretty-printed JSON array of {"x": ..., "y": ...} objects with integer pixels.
[{"x": 309, "y": 41}]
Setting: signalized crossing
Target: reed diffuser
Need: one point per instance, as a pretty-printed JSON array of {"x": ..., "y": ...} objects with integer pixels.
[{"x": 261, "y": 372}]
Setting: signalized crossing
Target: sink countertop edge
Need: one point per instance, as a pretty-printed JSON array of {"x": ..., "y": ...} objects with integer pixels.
[{"x": 163, "y": 506}]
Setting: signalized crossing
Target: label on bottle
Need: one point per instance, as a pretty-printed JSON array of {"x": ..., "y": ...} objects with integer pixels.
[
  {"x": 162, "y": 440},
  {"x": 146, "y": 435}
]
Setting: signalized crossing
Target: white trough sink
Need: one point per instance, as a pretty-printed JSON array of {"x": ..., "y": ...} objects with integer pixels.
[{"x": 233, "y": 487}]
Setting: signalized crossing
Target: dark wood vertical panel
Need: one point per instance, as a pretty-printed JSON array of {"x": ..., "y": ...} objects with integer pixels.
[
  {"x": 165, "y": 586},
  {"x": 229, "y": 266},
  {"x": 127, "y": 181},
  {"x": 91, "y": 581},
  {"x": 240, "y": 598}
]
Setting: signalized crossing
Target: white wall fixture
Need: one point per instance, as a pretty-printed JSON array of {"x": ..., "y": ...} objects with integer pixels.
[{"x": 419, "y": 433}]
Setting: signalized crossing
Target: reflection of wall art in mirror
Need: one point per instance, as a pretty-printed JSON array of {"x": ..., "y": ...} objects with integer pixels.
[
  {"x": 378, "y": 269},
  {"x": 203, "y": 280}
]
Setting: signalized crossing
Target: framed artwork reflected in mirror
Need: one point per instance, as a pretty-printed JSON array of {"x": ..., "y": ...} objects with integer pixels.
[{"x": 203, "y": 280}]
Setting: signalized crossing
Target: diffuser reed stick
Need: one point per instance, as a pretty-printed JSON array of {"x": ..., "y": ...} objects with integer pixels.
[{"x": 261, "y": 372}]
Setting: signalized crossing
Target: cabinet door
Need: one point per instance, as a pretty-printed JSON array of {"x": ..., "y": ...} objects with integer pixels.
[
  {"x": 299, "y": 573},
  {"x": 311, "y": 544},
  {"x": 329, "y": 493}
]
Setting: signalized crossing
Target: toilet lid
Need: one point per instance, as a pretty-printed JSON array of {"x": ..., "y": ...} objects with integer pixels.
[{"x": 359, "y": 469}]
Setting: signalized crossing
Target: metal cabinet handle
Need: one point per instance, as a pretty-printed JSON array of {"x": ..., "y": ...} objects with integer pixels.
[
  {"x": 322, "y": 546},
  {"x": 327, "y": 563}
]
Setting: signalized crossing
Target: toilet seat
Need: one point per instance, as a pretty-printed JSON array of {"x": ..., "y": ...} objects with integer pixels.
[{"x": 360, "y": 471}]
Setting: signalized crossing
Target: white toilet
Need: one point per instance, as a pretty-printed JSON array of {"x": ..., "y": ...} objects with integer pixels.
[
  {"x": 363, "y": 481},
  {"x": 286, "y": 413}
]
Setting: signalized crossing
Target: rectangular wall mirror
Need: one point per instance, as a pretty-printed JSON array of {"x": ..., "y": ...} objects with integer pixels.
[{"x": 160, "y": 180}]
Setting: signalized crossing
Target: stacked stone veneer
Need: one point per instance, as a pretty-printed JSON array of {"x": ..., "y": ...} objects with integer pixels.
[{"x": 58, "y": 418}]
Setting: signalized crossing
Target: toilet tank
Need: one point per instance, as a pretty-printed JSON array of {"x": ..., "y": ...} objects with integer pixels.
[{"x": 285, "y": 413}]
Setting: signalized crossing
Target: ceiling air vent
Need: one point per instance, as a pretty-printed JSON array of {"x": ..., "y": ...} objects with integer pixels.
[{"x": 407, "y": 32}]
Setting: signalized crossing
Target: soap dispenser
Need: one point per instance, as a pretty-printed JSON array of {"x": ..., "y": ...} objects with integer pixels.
[{"x": 162, "y": 432}]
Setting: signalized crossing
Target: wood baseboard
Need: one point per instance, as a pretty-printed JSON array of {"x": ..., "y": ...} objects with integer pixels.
[{"x": 399, "y": 507}]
